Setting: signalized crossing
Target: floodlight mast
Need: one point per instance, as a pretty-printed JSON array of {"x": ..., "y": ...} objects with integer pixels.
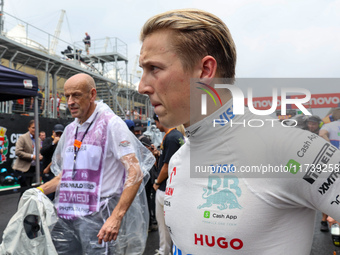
[{"x": 55, "y": 39}]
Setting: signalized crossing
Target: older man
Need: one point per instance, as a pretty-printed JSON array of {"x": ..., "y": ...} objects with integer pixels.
[
  {"x": 99, "y": 165},
  {"x": 212, "y": 204}
]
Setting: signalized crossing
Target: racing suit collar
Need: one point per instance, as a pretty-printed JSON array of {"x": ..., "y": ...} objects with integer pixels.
[{"x": 211, "y": 123}]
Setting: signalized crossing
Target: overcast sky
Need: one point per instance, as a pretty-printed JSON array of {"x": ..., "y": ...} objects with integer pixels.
[{"x": 274, "y": 38}]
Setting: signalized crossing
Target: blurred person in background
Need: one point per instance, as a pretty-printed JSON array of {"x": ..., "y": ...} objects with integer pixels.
[
  {"x": 47, "y": 150},
  {"x": 42, "y": 136},
  {"x": 25, "y": 163},
  {"x": 331, "y": 131},
  {"x": 172, "y": 141},
  {"x": 313, "y": 124}
]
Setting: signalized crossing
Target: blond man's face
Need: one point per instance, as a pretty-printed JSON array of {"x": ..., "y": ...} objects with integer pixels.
[{"x": 164, "y": 79}]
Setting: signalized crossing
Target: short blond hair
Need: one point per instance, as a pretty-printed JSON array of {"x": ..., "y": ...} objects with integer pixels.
[{"x": 196, "y": 34}]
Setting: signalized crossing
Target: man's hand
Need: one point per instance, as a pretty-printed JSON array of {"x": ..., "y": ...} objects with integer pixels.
[
  {"x": 34, "y": 157},
  {"x": 109, "y": 230},
  {"x": 46, "y": 170},
  {"x": 155, "y": 187},
  {"x": 154, "y": 151},
  {"x": 56, "y": 140}
]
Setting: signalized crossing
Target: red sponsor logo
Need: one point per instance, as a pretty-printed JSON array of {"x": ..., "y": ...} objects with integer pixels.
[
  {"x": 205, "y": 240},
  {"x": 124, "y": 143},
  {"x": 169, "y": 191}
]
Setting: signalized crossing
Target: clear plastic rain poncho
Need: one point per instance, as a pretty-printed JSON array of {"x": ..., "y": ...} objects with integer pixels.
[
  {"x": 28, "y": 231},
  {"x": 108, "y": 159}
]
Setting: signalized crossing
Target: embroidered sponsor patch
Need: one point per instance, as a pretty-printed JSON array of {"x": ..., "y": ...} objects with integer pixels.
[{"x": 124, "y": 143}]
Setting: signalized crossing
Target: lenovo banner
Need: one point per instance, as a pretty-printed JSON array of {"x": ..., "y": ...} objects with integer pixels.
[{"x": 317, "y": 101}]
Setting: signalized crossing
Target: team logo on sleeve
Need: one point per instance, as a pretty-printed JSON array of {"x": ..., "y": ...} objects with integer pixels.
[
  {"x": 320, "y": 163},
  {"x": 329, "y": 182},
  {"x": 124, "y": 143}
]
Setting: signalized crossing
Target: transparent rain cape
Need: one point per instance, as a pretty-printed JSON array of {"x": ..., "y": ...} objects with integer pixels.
[{"x": 135, "y": 222}]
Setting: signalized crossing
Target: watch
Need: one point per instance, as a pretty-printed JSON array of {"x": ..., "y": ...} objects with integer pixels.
[{"x": 157, "y": 183}]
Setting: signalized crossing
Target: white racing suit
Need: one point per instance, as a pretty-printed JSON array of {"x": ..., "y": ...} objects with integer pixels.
[{"x": 247, "y": 185}]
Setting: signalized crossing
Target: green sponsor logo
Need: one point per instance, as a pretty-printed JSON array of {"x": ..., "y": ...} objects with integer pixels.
[
  {"x": 293, "y": 166},
  {"x": 206, "y": 214}
]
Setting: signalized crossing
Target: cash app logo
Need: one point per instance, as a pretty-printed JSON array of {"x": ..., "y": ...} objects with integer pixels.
[
  {"x": 207, "y": 214},
  {"x": 293, "y": 166}
]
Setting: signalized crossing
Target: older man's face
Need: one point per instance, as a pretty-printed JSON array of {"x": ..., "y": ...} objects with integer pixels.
[{"x": 78, "y": 99}]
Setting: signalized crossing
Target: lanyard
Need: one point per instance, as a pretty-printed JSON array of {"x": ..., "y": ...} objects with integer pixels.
[
  {"x": 77, "y": 145},
  {"x": 165, "y": 136}
]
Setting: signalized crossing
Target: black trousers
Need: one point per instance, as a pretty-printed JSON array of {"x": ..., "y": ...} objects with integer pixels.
[{"x": 26, "y": 178}]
